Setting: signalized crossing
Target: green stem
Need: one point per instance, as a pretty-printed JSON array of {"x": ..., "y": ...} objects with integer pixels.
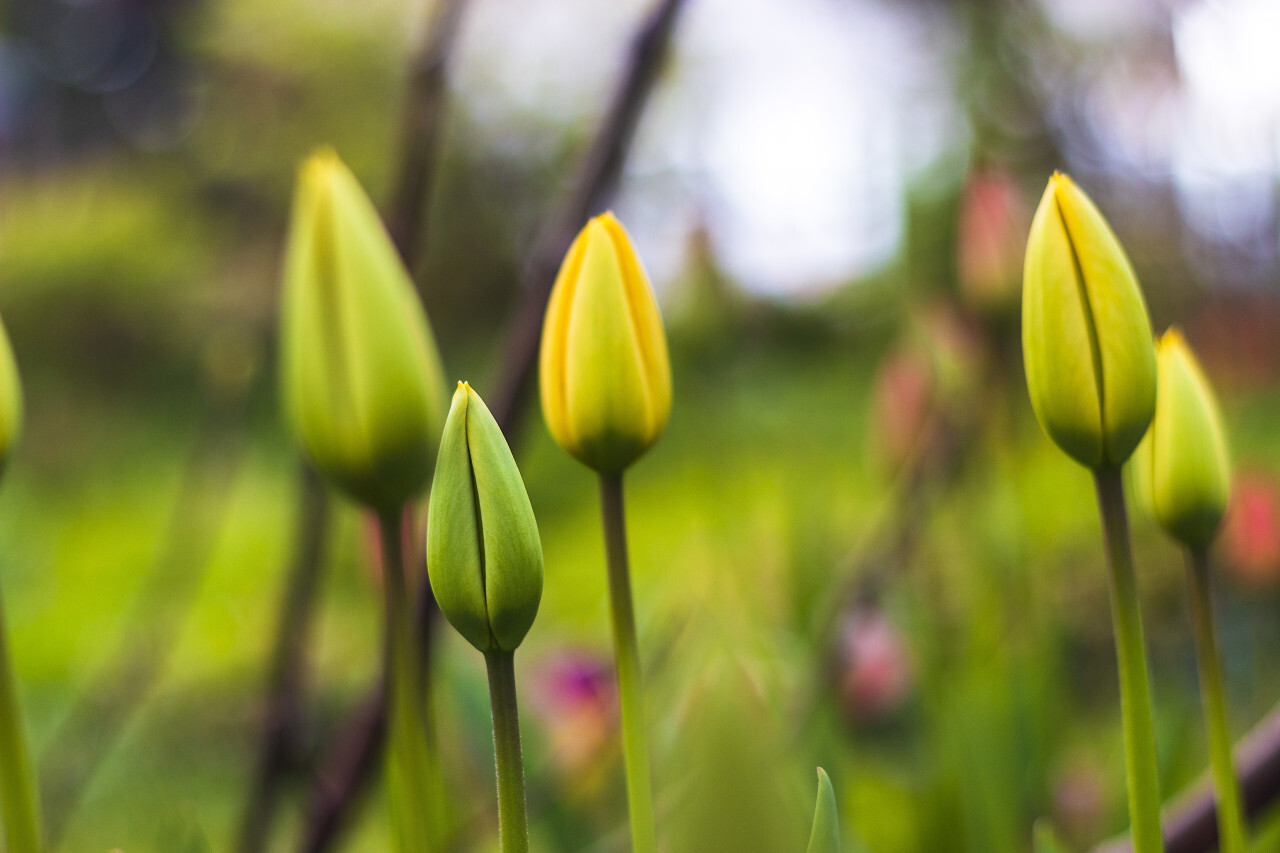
[
  {"x": 1135, "y": 689},
  {"x": 513, "y": 823},
  {"x": 635, "y": 746},
  {"x": 1231, "y": 829},
  {"x": 409, "y": 766},
  {"x": 19, "y": 803}
]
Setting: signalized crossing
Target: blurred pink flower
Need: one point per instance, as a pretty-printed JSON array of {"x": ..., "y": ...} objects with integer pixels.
[
  {"x": 576, "y": 698},
  {"x": 874, "y": 672},
  {"x": 1251, "y": 534},
  {"x": 901, "y": 403},
  {"x": 1080, "y": 797},
  {"x": 992, "y": 235}
]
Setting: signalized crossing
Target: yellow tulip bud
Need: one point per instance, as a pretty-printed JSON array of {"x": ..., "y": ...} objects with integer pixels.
[
  {"x": 360, "y": 375},
  {"x": 605, "y": 374},
  {"x": 10, "y": 399},
  {"x": 1086, "y": 339},
  {"x": 1182, "y": 470}
]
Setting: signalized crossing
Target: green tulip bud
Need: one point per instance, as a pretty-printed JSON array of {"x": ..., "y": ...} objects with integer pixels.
[
  {"x": 605, "y": 374},
  {"x": 1182, "y": 470},
  {"x": 361, "y": 378},
  {"x": 1086, "y": 339},
  {"x": 10, "y": 399},
  {"x": 484, "y": 557},
  {"x": 825, "y": 835}
]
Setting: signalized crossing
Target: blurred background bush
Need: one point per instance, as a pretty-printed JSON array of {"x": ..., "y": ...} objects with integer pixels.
[{"x": 853, "y": 548}]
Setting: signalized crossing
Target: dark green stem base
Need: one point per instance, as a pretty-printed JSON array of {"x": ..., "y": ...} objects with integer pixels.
[
  {"x": 19, "y": 804},
  {"x": 513, "y": 822},
  {"x": 409, "y": 759}
]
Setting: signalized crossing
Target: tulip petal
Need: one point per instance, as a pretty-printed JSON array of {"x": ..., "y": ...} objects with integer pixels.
[
  {"x": 512, "y": 549},
  {"x": 1119, "y": 318},
  {"x": 455, "y": 557},
  {"x": 608, "y": 399},
  {"x": 552, "y": 354},
  {"x": 11, "y": 406},
  {"x": 1057, "y": 339},
  {"x": 647, "y": 324}
]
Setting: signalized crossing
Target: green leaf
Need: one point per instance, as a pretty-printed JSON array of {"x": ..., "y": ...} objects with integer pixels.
[{"x": 825, "y": 837}]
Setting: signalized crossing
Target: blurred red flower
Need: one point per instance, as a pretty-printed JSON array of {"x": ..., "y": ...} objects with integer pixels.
[{"x": 1250, "y": 539}]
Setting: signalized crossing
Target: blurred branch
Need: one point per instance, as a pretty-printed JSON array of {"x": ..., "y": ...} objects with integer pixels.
[
  {"x": 278, "y": 749},
  {"x": 596, "y": 182},
  {"x": 102, "y": 711},
  {"x": 1191, "y": 824},
  {"x": 348, "y": 767},
  {"x": 348, "y": 764},
  {"x": 420, "y": 133}
]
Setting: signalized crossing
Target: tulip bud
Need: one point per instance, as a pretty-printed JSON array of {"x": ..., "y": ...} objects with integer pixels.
[
  {"x": 1086, "y": 339},
  {"x": 1182, "y": 468},
  {"x": 361, "y": 378},
  {"x": 606, "y": 379},
  {"x": 10, "y": 399},
  {"x": 484, "y": 556}
]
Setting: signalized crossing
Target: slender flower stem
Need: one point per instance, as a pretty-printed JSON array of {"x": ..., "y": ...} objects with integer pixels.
[
  {"x": 409, "y": 764},
  {"x": 19, "y": 804},
  {"x": 1131, "y": 654},
  {"x": 1230, "y": 815},
  {"x": 635, "y": 742},
  {"x": 513, "y": 822}
]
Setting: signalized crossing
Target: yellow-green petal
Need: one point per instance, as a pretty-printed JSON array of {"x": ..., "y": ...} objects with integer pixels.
[
  {"x": 11, "y": 405},
  {"x": 512, "y": 547},
  {"x": 455, "y": 563}
]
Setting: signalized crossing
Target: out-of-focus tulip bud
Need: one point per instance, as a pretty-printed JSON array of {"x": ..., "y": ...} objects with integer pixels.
[
  {"x": 874, "y": 670},
  {"x": 10, "y": 399},
  {"x": 360, "y": 374},
  {"x": 605, "y": 374},
  {"x": 1182, "y": 469},
  {"x": 1251, "y": 534},
  {"x": 576, "y": 700},
  {"x": 484, "y": 556},
  {"x": 992, "y": 221},
  {"x": 1086, "y": 339}
]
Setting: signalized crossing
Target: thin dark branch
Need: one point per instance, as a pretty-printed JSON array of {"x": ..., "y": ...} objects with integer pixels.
[
  {"x": 420, "y": 133},
  {"x": 345, "y": 773},
  {"x": 595, "y": 184},
  {"x": 359, "y": 741},
  {"x": 348, "y": 765},
  {"x": 347, "y": 769},
  {"x": 1191, "y": 824},
  {"x": 279, "y": 746}
]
